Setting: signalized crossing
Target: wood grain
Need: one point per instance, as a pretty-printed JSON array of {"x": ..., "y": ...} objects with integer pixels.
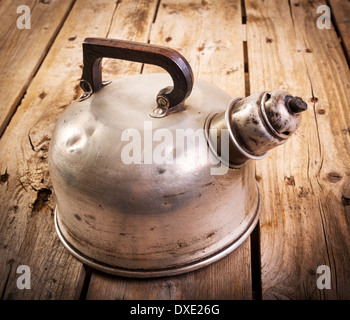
[
  {"x": 340, "y": 12},
  {"x": 220, "y": 280},
  {"x": 202, "y": 32},
  {"x": 27, "y": 233},
  {"x": 305, "y": 183},
  {"x": 16, "y": 65}
]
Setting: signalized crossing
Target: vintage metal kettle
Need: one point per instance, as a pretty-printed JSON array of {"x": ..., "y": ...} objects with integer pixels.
[{"x": 153, "y": 174}]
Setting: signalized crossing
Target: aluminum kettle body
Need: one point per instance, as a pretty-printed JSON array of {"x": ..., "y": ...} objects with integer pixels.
[{"x": 149, "y": 183}]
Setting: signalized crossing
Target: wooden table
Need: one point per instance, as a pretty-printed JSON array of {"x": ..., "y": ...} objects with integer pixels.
[{"x": 240, "y": 46}]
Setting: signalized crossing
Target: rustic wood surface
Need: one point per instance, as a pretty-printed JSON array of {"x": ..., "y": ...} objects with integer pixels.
[
  {"x": 27, "y": 230},
  {"x": 304, "y": 180},
  {"x": 17, "y": 66},
  {"x": 239, "y": 46},
  {"x": 340, "y": 12}
]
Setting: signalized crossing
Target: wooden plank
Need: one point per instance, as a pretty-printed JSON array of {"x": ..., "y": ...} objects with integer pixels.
[
  {"x": 16, "y": 65},
  {"x": 27, "y": 234},
  {"x": 132, "y": 21},
  {"x": 209, "y": 36},
  {"x": 305, "y": 182},
  {"x": 220, "y": 280},
  {"x": 340, "y": 11}
]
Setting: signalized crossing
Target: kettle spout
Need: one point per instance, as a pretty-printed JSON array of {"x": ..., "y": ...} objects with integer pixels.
[{"x": 257, "y": 124}]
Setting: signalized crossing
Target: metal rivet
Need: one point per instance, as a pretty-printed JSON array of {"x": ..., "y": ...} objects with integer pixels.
[
  {"x": 162, "y": 102},
  {"x": 159, "y": 110}
]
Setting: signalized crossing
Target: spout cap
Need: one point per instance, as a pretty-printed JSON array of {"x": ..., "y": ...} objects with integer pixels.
[
  {"x": 295, "y": 104},
  {"x": 282, "y": 112}
]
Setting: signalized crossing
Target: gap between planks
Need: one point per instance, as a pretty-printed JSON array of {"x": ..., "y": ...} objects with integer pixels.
[{"x": 255, "y": 235}]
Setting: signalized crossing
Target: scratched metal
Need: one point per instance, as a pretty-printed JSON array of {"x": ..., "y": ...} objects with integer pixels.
[{"x": 148, "y": 219}]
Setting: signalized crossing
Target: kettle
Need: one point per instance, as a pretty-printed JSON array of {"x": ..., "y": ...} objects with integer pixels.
[{"x": 154, "y": 174}]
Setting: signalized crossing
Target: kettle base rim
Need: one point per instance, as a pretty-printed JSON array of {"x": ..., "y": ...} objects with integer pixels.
[{"x": 164, "y": 272}]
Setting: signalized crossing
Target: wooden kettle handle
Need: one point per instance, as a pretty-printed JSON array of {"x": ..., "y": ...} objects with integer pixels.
[{"x": 94, "y": 49}]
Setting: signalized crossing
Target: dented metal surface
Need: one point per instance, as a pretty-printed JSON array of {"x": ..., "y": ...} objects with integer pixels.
[{"x": 145, "y": 219}]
